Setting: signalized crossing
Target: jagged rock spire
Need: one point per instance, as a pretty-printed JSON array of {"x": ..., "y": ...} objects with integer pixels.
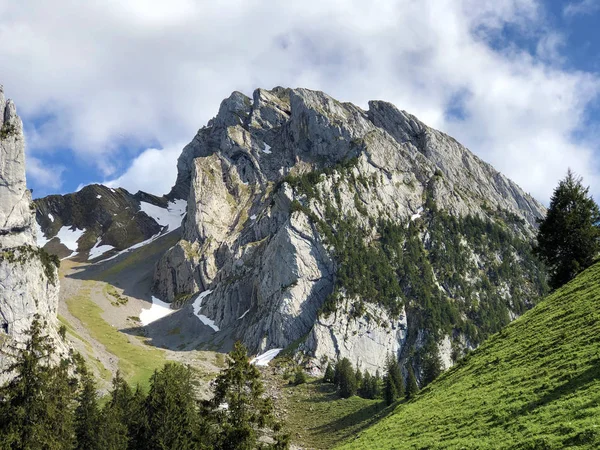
[{"x": 16, "y": 216}]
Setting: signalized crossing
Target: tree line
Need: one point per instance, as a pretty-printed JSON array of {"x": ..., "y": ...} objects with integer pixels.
[
  {"x": 56, "y": 406},
  {"x": 390, "y": 387}
]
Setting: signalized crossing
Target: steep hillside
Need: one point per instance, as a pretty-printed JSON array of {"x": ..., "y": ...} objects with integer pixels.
[
  {"x": 97, "y": 221},
  {"x": 534, "y": 385},
  {"x": 346, "y": 233}
]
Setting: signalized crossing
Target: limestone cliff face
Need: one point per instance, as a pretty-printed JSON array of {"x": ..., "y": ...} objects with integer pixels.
[
  {"x": 28, "y": 275},
  {"x": 15, "y": 199},
  {"x": 285, "y": 189}
]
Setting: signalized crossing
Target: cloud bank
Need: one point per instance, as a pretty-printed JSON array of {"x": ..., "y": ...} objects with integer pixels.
[{"x": 105, "y": 79}]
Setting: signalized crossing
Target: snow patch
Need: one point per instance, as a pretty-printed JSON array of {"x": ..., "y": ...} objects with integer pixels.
[
  {"x": 69, "y": 237},
  {"x": 243, "y": 315},
  {"x": 41, "y": 240},
  {"x": 98, "y": 196},
  {"x": 267, "y": 149},
  {"x": 170, "y": 216},
  {"x": 98, "y": 250},
  {"x": 51, "y": 217},
  {"x": 253, "y": 217},
  {"x": 158, "y": 310},
  {"x": 197, "y": 306},
  {"x": 266, "y": 357},
  {"x": 416, "y": 215}
]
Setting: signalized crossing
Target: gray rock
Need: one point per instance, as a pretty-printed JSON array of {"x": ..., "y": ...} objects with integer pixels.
[
  {"x": 28, "y": 281},
  {"x": 266, "y": 262}
]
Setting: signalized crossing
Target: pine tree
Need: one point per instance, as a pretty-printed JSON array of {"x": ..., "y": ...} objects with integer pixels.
[
  {"x": 412, "y": 388},
  {"x": 376, "y": 384},
  {"x": 37, "y": 404},
  {"x": 239, "y": 411},
  {"x": 87, "y": 414},
  {"x": 346, "y": 379},
  {"x": 329, "y": 374},
  {"x": 568, "y": 238},
  {"x": 395, "y": 374},
  {"x": 390, "y": 394},
  {"x": 366, "y": 386},
  {"x": 119, "y": 418},
  {"x": 172, "y": 417},
  {"x": 359, "y": 377}
]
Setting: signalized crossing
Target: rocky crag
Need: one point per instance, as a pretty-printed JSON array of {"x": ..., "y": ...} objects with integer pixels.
[
  {"x": 28, "y": 275},
  {"x": 330, "y": 231}
]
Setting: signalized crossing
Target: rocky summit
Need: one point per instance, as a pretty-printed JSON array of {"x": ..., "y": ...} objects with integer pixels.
[
  {"x": 331, "y": 231},
  {"x": 28, "y": 275}
]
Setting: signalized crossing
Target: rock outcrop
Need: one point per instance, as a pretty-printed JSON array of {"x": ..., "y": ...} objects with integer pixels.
[
  {"x": 333, "y": 231},
  {"x": 28, "y": 275},
  {"x": 97, "y": 221},
  {"x": 15, "y": 199}
]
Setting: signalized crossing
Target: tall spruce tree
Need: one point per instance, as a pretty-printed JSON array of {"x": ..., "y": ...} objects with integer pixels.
[
  {"x": 395, "y": 373},
  {"x": 239, "y": 411},
  {"x": 171, "y": 412},
  {"x": 568, "y": 238},
  {"x": 87, "y": 413},
  {"x": 412, "y": 388},
  {"x": 389, "y": 390},
  {"x": 36, "y": 408},
  {"x": 329, "y": 374},
  {"x": 346, "y": 382}
]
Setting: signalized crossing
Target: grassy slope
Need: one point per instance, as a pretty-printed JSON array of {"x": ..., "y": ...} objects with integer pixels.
[
  {"x": 317, "y": 418},
  {"x": 137, "y": 362},
  {"x": 535, "y": 385}
]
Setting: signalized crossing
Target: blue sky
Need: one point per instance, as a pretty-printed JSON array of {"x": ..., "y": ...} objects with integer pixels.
[{"x": 112, "y": 91}]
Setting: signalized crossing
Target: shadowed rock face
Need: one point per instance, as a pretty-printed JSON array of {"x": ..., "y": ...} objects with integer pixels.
[
  {"x": 253, "y": 240},
  {"x": 28, "y": 278}
]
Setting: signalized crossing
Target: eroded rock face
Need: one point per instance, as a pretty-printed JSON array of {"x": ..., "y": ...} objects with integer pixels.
[
  {"x": 259, "y": 241},
  {"x": 15, "y": 199},
  {"x": 28, "y": 276}
]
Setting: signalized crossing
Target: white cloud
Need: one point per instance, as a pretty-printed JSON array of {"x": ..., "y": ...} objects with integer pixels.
[
  {"x": 44, "y": 174},
  {"x": 153, "y": 171},
  {"x": 581, "y": 7},
  {"x": 121, "y": 74}
]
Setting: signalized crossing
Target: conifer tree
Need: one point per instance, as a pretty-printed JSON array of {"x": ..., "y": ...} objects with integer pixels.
[
  {"x": 37, "y": 404},
  {"x": 412, "y": 388},
  {"x": 366, "y": 386},
  {"x": 346, "y": 379},
  {"x": 172, "y": 417},
  {"x": 569, "y": 236},
  {"x": 376, "y": 384},
  {"x": 87, "y": 413},
  {"x": 389, "y": 390},
  {"x": 358, "y": 375},
  {"x": 395, "y": 374},
  {"x": 239, "y": 410},
  {"x": 329, "y": 374}
]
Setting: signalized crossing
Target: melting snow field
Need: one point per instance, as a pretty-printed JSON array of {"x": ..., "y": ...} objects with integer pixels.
[
  {"x": 197, "y": 306},
  {"x": 158, "y": 310},
  {"x": 170, "y": 216},
  {"x": 98, "y": 250},
  {"x": 266, "y": 357},
  {"x": 70, "y": 237}
]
